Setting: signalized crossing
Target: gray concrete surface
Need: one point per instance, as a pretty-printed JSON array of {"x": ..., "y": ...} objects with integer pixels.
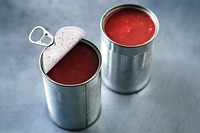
[{"x": 169, "y": 104}]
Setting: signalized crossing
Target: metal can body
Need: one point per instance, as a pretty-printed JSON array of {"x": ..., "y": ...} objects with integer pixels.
[
  {"x": 126, "y": 69},
  {"x": 74, "y": 107}
]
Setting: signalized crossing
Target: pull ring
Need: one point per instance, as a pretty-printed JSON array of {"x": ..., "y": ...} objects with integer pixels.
[{"x": 42, "y": 39}]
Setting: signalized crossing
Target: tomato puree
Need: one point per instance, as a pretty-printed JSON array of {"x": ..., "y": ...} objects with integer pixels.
[
  {"x": 77, "y": 66},
  {"x": 129, "y": 27}
]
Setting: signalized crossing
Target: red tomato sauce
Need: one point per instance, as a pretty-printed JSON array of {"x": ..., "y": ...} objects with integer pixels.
[
  {"x": 129, "y": 27},
  {"x": 77, "y": 66}
]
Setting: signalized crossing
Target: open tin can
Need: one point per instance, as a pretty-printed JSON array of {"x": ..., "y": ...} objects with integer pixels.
[
  {"x": 75, "y": 106},
  {"x": 126, "y": 69}
]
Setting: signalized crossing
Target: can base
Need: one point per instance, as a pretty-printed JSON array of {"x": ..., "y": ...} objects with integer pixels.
[
  {"x": 74, "y": 129},
  {"x": 127, "y": 93}
]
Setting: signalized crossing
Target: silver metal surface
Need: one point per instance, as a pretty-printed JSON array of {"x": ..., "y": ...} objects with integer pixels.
[
  {"x": 126, "y": 69},
  {"x": 74, "y": 106}
]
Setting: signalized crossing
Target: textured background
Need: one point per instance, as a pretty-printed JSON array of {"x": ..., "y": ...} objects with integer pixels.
[{"x": 169, "y": 104}]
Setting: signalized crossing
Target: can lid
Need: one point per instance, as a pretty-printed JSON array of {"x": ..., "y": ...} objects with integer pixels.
[{"x": 65, "y": 39}]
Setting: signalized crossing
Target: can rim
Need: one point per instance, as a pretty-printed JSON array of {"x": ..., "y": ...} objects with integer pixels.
[
  {"x": 75, "y": 85},
  {"x": 134, "y": 6}
]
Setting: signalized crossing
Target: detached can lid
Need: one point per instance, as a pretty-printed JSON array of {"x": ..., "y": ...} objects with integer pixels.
[{"x": 65, "y": 39}]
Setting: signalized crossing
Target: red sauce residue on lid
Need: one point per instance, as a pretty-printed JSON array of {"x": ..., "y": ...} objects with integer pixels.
[
  {"x": 77, "y": 66},
  {"x": 129, "y": 27}
]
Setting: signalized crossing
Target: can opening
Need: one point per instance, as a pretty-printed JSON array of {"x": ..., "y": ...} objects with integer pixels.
[
  {"x": 129, "y": 25},
  {"x": 77, "y": 67}
]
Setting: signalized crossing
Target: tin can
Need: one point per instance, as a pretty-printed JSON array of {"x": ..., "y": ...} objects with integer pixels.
[
  {"x": 126, "y": 69},
  {"x": 76, "y": 106}
]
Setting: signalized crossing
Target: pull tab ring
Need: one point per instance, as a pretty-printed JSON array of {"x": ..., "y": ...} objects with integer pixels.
[{"x": 41, "y": 40}]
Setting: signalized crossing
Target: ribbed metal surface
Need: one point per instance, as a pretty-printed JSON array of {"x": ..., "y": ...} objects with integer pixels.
[
  {"x": 125, "y": 74},
  {"x": 77, "y": 106}
]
